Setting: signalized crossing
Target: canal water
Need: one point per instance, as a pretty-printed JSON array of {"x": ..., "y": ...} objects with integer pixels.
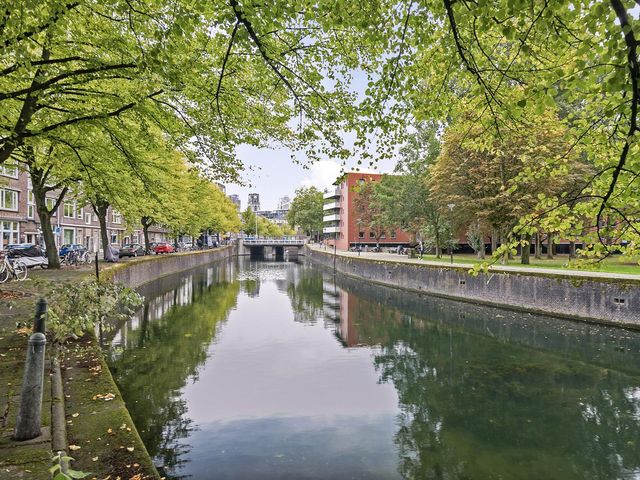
[{"x": 280, "y": 370}]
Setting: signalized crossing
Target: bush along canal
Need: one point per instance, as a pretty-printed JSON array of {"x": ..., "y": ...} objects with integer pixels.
[{"x": 275, "y": 370}]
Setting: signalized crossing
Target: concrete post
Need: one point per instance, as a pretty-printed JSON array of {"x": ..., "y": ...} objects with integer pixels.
[
  {"x": 40, "y": 322},
  {"x": 29, "y": 415}
]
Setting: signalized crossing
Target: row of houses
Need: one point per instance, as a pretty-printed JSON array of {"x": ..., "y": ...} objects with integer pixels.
[{"x": 73, "y": 222}]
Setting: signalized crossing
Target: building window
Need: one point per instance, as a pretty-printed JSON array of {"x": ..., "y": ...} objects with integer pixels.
[
  {"x": 393, "y": 234},
  {"x": 116, "y": 217},
  {"x": 114, "y": 237},
  {"x": 87, "y": 218},
  {"x": 383, "y": 235},
  {"x": 361, "y": 181},
  {"x": 8, "y": 199},
  {"x": 80, "y": 213},
  {"x": 69, "y": 210},
  {"x": 31, "y": 207},
  {"x": 9, "y": 170},
  {"x": 9, "y": 232},
  {"x": 372, "y": 235},
  {"x": 68, "y": 235},
  {"x": 360, "y": 234},
  {"x": 51, "y": 202}
]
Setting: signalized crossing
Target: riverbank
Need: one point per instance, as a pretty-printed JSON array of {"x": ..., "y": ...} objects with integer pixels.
[
  {"x": 592, "y": 296},
  {"x": 99, "y": 431}
]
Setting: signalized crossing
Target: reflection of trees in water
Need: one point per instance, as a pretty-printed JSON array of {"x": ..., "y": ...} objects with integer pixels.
[
  {"x": 250, "y": 286},
  {"x": 475, "y": 407},
  {"x": 160, "y": 357},
  {"x": 306, "y": 295}
]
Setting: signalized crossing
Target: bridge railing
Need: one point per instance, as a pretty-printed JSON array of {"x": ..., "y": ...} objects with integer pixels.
[{"x": 274, "y": 241}]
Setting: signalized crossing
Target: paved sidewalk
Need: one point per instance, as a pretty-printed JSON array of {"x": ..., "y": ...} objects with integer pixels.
[{"x": 392, "y": 257}]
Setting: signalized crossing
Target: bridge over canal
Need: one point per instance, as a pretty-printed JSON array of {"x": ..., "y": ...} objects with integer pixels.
[{"x": 276, "y": 248}]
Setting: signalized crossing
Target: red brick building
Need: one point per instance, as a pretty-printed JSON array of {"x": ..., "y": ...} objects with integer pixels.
[
  {"x": 340, "y": 220},
  {"x": 73, "y": 222}
]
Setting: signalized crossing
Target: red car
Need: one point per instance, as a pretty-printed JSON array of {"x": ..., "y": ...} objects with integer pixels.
[{"x": 163, "y": 248}]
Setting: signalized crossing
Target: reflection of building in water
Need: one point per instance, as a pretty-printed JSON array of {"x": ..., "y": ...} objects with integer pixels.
[{"x": 337, "y": 312}]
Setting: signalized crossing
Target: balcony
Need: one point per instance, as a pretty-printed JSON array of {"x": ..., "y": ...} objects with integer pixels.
[
  {"x": 332, "y": 193},
  {"x": 331, "y": 218},
  {"x": 331, "y": 206},
  {"x": 331, "y": 230}
]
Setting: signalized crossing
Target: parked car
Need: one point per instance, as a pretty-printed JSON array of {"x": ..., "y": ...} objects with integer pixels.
[
  {"x": 131, "y": 250},
  {"x": 67, "y": 247},
  {"x": 163, "y": 247}
]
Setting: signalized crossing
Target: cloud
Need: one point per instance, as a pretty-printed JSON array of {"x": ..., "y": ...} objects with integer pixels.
[{"x": 321, "y": 174}]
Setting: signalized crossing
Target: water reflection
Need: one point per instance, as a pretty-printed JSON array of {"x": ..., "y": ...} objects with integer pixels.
[
  {"x": 156, "y": 353},
  {"x": 279, "y": 370}
]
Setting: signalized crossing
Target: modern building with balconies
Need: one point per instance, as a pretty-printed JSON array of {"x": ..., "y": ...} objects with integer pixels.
[
  {"x": 331, "y": 211},
  {"x": 340, "y": 225}
]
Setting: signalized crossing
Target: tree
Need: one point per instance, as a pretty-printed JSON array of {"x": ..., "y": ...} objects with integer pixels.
[
  {"x": 508, "y": 57},
  {"x": 211, "y": 74},
  {"x": 405, "y": 197},
  {"x": 248, "y": 222},
  {"x": 496, "y": 181},
  {"x": 306, "y": 210}
]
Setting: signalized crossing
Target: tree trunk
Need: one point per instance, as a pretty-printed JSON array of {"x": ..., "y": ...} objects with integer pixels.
[
  {"x": 572, "y": 249},
  {"x": 526, "y": 249},
  {"x": 550, "y": 247},
  {"x": 146, "y": 223},
  {"x": 101, "y": 206},
  {"x": 38, "y": 182},
  {"x": 494, "y": 242},
  {"x": 538, "y": 250},
  {"x": 438, "y": 246},
  {"x": 509, "y": 254}
]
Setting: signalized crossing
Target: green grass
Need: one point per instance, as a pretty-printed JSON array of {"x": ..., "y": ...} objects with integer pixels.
[{"x": 615, "y": 264}]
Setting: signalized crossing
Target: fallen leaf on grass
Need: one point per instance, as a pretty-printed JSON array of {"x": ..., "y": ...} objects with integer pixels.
[
  {"x": 106, "y": 397},
  {"x": 74, "y": 447},
  {"x": 74, "y": 415},
  {"x": 130, "y": 449}
]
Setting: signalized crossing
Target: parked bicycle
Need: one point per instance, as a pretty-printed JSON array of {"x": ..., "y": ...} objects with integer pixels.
[
  {"x": 85, "y": 257},
  {"x": 70, "y": 258},
  {"x": 16, "y": 270}
]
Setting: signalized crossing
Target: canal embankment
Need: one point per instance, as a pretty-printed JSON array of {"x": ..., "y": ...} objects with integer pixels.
[
  {"x": 150, "y": 268},
  {"x": 591, "y": 296}
]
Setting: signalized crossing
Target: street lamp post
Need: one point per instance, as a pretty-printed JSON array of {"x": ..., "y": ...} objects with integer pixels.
[{"x": 451, "y": 205}]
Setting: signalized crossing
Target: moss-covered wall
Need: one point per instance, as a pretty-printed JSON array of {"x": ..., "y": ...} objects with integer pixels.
[{"x": 149, "y": 268}]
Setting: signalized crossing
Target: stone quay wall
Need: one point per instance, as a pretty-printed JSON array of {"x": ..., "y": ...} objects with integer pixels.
[
  {"x": 149, "y": 268},
  {"x": 602, "y": 300}
]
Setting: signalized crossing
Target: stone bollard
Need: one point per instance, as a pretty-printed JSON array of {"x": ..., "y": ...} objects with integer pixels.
[
  {"x": 40, "y": 323},
  {"x": 29, "y": 415}
]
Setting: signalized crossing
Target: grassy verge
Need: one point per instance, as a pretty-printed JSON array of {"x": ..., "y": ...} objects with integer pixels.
[
  {"x": 101, "y": 434},
  {"x": 616, "y": 264}
]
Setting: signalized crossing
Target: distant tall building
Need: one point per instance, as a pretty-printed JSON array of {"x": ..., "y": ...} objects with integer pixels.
[
  {"x": 284, "y": 203},
  {"x": 236, "y": 200},
  {"x": 221, "y": 186},
  {"x": 254, "y": 201}
]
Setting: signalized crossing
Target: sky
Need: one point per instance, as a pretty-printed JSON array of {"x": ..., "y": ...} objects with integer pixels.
[{"x": 272, "y": 174}]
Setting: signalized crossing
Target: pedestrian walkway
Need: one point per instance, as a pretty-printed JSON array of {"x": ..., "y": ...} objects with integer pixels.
[{"x": 393, "y": 257}]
